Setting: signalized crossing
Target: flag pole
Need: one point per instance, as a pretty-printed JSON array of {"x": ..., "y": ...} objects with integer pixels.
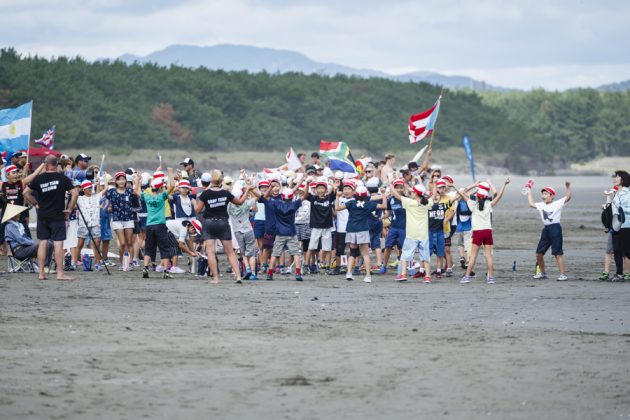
[
  {"x": 28, "y": 146},
  {"x": 433, "y": 132}
]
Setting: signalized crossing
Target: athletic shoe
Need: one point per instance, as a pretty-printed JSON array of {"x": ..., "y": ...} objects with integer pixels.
[
  {"x": 438, "y": 275},
  {"x": 287, "y": 270},
  {"x": 539, "y": 276},
  {"x": 159, "y": 269},
  {"x": 355, "y": 271},
  {"x": 462, "y": 263},
  {"x": 167, "y": 275},
  {"x": 418, "y": 274},
  {"x": 464, "y": 280},
  {"x": 327, "y": 271},
  {"x": 394, "y": 264},
  {"x": 109, "y": 263},
  {"x": 145, "y": 273},
  {"x": 490, "y": 280},
  {"x": 449, "y": 272},
  {"x": 367, "y": 279},
  {"x": 98, "y": 267},
  {"x": 247, "y": 275},
  {"x": 313, "y": 269},
  {"x": 253, "y": 277},
  {"x": 400, "y": 277},
  {"x": 269, "y": 277},
  {"x": 176, "y": 270},
  {"x": 472, "y": 274},
  {"x": 626, "y": 277},
  {"x": 382, "y": 270},
  {"x": 298, "y": 277},
  {"x": 563, "y": 277},
  {"x": 349, "y": 276},
  {"x": 120, "y": 268},
  {"x": 604, "y": 277},
  {"x": 239, "y": 281},
  {"x": 617, "y": 278},
  {"x": 135, "y": 264},
  {"x": 336, "y": 271},
  {"x": 427, "y": 279}
]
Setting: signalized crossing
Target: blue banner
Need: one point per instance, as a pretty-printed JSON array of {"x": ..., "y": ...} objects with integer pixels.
[
  {"x": 15, "y": 128},
  {"x": 469, "y": 155}
]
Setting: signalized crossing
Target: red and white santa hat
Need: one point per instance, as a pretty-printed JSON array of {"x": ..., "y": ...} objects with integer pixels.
[
  {"x": 158, "y": 175},
  {"x": 398, "y": 182},
  {"x": 157, "y": 183},
  {"x": 183, "y": 184},
  {"x": 440, "y": 183},
  {"x": 549, "y": 190},
  {"x": 419, "y": 189},
  {"x": 11, "y": 168},
  {"x": 263, "y": 183},
  {"x": 120, "y": 173},
  {"x": 87, "y": 184},
  {"x": 361, "y": 191},
  {"x": 448, "y": 178},
  {"x": 349, "y": 183},
  {"x": 197, "y": 225},
  {"x": 287, "y": 194},
  {"x": 483, "y": 189}
]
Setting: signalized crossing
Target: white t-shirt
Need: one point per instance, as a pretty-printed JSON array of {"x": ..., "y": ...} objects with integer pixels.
[
  {"x": 91, "y": 209},
  {"x": 481, "y": 220},
  {"x": 342, "y": 216},
  {"x": 550, "y": 213},
  {"x": 177, "y": 229},
  {"x": 260, "y": 212},
  {"x": 303, "y": 214}
]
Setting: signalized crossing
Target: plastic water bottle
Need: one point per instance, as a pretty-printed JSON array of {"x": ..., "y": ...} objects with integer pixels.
[
  {"x": 528, "y": 186},
  {"x": 126, "y": 261}
]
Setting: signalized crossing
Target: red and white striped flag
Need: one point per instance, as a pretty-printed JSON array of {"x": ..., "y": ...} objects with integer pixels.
[{"x": 421, "y": 125}]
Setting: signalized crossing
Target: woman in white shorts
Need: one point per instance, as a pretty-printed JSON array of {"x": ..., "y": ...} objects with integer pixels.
[{"x": 122, "y": 214}]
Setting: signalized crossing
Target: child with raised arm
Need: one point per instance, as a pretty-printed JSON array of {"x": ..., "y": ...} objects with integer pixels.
[
  {"x": 416, "y": 230},
  {"x": 357, "y": 229},
  {"x": 481, "y": 226},
  {"x": 551, "y": 235}
]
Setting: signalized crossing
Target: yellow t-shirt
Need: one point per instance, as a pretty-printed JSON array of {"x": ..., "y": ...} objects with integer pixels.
[
  {"x": 417, "y": 218},
  {"x": 448, "y": 214}
]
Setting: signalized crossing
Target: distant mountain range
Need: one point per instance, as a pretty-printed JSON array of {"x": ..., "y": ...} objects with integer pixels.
[{"x": 255, "y": 60}]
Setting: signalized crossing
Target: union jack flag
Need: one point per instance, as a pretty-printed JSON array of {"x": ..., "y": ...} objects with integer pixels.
[{"x": 47, "y": 138}]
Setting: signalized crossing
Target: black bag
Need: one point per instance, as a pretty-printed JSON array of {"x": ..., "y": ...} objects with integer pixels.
[
  {"x": 607, "y": 216},
  {"x": 202, "y": 267},
  {"x": 620, "y": 219}
]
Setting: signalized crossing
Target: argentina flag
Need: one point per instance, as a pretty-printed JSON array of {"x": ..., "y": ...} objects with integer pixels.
[{"x": 15, "y": 128}]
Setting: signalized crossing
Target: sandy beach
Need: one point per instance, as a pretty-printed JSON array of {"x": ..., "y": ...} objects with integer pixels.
[{"x": 124, "y": 347}]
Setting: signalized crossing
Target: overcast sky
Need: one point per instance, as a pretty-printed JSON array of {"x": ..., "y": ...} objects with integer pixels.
[{"x": 555, "y": 44}]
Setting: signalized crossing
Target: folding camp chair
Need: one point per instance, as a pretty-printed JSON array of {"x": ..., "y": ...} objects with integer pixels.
[{"x": 16, "y": 265}]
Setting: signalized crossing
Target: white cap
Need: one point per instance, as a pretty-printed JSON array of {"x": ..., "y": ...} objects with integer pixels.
[{"x": 206, "y": 177}]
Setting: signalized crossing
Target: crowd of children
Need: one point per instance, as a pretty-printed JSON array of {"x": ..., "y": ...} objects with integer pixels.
[{"x": 308, "y": 220}]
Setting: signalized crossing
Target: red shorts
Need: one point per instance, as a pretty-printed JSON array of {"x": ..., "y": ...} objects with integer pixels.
[{"x": 482, "y": 237}]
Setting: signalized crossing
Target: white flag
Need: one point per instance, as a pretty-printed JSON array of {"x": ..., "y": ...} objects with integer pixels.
[{"x": 293, "y": 161}]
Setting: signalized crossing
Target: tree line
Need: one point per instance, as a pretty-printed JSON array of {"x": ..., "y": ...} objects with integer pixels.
[{"x": 125, "y": 106}]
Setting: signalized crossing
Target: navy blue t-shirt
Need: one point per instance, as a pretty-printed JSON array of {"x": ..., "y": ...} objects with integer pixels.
[
  {"x": 358, "y": 214},
  {"x": 398, "y": 213},
  {"x": 284, "y": 212},
  {"x": 270, "y": 216}
]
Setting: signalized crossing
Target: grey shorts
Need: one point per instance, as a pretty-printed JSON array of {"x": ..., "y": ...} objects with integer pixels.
[
  {"x": 293, "y": 246},
  {"x": 358, "y": 238},
  {"x": 325, "y": 235},
  {"x": 247, "y": 243},
  {"x": 82, "y": 232}
]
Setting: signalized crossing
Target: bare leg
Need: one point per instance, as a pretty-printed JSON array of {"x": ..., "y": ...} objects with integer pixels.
[
  {"x": 540, "y": 261},
  {"x": 105, "y": 249},
  {"x": 59, "y": 261},
  {"x": 365, "y": 253},
  {"x": 229, "y": 251},
  {"x": 41, "y": 258},
  {"x": 489, "y": 259},
  {"x": 95, "y": 244},
  {"x": 607, "y": 261},
  {"x": 560, "y": 260},
  {"x": 473, "y": 259},
  {"x": 212, "y": 260},
  {"x": 122, "y": 246}
]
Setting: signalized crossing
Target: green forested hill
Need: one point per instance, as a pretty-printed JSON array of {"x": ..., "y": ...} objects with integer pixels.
[{"x": 121, "y": 106}]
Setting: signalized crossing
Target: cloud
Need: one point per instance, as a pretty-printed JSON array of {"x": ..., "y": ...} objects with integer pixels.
[{"x": 487, "y": 36}]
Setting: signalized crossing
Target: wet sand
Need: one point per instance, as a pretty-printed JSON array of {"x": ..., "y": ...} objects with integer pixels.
[{"x": 123, "y": 347}]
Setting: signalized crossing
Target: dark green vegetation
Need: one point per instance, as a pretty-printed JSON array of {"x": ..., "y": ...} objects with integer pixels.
[{"x": 119, "y": 106}]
